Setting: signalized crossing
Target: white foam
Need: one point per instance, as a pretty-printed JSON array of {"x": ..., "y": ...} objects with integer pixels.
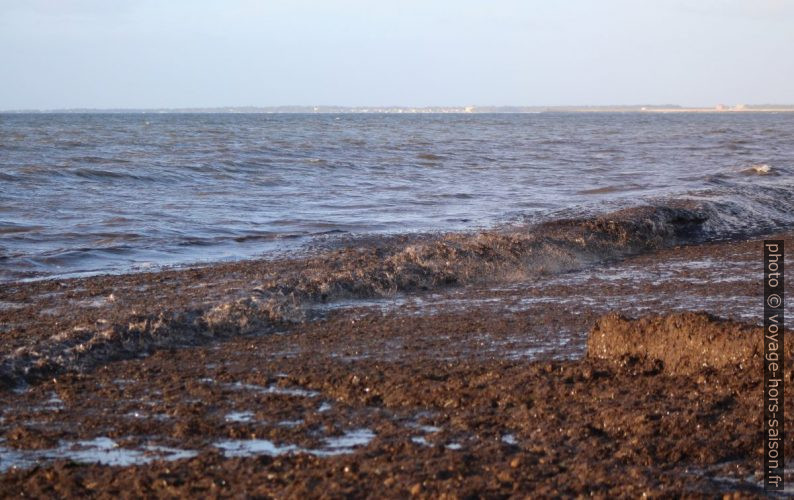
[{"x": 761, "y": 169}]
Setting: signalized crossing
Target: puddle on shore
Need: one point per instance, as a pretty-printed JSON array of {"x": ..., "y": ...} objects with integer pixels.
[
  {"x": 6, "y": 305},
  {"x": 101, "y": 450},
  {"x": 105, "y": 451},
  {"x": 428, "y": 428},
  {"x": 94, "y": 302},
  {"x": 152, "y": 416},
  {"x": 239, "y": 416},
  {"x": 290, "y": 423},
  {"x": 253, "y": 447},
  {"x": 509, "y": 439},
  {"x": 270, "y": 389},
  {"x": 346, "y": 442},
  {"x": 719, "y": 477},
  {"x": 53, "y": 403},
  {"x": 420, "y": 440},
  {"x": 338, "y": 445}
]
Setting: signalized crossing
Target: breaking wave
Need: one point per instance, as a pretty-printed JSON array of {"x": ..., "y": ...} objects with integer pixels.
[{"x": 383, "y": 266}]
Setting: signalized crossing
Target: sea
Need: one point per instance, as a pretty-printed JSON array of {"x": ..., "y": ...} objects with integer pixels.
[{"x": 86, "y": 194}]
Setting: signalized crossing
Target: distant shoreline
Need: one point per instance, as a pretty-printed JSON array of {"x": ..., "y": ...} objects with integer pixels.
[{"x": 767, "y": 108}]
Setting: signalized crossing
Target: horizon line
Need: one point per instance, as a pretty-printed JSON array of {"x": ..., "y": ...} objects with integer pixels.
[{"x": 319, "y": 109}]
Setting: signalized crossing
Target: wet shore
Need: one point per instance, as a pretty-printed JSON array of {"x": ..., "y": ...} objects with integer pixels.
[{"x": 424, "y": 372}]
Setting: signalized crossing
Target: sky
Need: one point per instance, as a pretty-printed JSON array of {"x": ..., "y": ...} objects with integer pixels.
[{"x": 57, "y": 54}]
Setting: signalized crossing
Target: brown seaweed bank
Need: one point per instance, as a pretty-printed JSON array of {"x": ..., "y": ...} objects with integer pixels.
[
  {"x": 618, "y": 424},
  {"x": 95, "y": 320},
  {"x": 683, "y": 343}
]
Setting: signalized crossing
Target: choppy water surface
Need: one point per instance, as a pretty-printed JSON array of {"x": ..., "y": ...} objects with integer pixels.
[{"x": 88, "y": 193}]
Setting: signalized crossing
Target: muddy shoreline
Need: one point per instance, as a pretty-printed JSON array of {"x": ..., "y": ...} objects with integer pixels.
[{"x": 458, "y": 391}]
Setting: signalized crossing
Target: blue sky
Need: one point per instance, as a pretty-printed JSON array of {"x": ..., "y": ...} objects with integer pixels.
[{"x": 182, "y": 53}]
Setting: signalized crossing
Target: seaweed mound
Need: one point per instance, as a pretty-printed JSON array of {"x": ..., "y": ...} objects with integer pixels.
[{"x": 685, "y": 343}]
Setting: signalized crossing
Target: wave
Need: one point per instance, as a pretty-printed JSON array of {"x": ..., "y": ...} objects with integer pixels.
[
  {"x": 430, "y": 156},
  {"x": 7, "y": 227},
  {"x": 100, "y": 174},
  {"x": 611, "y": 189},
  {"x": 760, "y": 169},
  {"x": 292, "y": 290}
]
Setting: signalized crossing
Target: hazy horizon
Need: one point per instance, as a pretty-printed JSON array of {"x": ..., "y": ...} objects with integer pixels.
[
  {"x": 87, "y": 54},
  {"x": 329, "y": 108}
]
